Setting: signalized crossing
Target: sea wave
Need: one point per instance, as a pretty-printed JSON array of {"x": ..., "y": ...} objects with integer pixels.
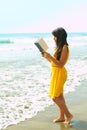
[{"x": 5, "y": 41}]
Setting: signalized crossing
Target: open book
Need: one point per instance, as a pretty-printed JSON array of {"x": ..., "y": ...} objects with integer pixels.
[{"x": 41, "y": 45}]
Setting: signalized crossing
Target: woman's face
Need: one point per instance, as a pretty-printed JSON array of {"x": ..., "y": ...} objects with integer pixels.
[{"x": 55, "y": 39}]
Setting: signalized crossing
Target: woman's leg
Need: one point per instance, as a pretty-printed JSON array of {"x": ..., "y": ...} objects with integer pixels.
[
  {"x": 61, "y": 117},
  {"x": 63, "y": 108}
]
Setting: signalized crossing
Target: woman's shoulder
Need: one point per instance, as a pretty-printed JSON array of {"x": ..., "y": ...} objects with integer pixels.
[{"x": 65, "y": 47}]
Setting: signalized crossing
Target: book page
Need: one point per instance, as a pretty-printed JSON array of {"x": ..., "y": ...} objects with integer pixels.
[{"x": 42, "y": 44}]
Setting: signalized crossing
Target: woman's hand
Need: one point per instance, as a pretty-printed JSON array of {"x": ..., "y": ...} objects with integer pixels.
[{"x": 46, "y": 55}]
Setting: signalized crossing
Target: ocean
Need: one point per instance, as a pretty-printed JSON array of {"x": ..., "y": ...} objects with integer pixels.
[{"x": 25, "y": 74}]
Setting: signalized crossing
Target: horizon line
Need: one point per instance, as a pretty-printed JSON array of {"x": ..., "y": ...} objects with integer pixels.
[{"x": 40, "y": 32}]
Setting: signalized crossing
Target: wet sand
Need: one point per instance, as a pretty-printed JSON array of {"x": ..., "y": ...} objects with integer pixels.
[{"x": 77, "y": 104}]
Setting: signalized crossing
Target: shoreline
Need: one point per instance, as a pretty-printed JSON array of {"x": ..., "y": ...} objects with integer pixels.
[{"x": 76, "y": 102}]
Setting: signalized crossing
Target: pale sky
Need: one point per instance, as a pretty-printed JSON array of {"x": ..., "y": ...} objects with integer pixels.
[{"x": 22, "y": 16}]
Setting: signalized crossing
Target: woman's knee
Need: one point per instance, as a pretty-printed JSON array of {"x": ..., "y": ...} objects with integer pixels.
[
  {"x": 57, "y": 99},
  {"x": 54, "y": 99}
]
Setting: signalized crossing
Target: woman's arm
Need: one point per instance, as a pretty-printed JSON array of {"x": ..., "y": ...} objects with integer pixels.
[{"x": 63, "y": 58}]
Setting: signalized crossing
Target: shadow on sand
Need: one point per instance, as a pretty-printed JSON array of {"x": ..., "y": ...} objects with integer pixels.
[{"x": 74, "y": 125}]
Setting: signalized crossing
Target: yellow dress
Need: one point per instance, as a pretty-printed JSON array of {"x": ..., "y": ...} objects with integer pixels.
[{"x": 58, "y": 78}]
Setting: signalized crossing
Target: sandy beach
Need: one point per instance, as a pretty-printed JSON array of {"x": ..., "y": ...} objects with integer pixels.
[{"x": 76, "y": 102}]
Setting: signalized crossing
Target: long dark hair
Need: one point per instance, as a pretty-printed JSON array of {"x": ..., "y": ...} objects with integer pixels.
[{"x": 61, "y": 35}]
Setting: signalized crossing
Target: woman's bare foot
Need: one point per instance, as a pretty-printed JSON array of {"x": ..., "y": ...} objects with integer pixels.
[
  {"x": 68, "y": 119},
  {"x": 58, "y": 120}
]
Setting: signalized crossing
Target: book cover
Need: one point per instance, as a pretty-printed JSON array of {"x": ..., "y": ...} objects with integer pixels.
[{"x": 41, "y": 45}]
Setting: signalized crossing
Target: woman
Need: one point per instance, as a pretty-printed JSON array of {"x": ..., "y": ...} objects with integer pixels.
[{"x": 59, "y": 73}]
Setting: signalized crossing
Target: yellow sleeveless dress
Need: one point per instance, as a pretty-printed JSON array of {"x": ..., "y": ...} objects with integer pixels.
[{"x": 58, "y": 78}]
